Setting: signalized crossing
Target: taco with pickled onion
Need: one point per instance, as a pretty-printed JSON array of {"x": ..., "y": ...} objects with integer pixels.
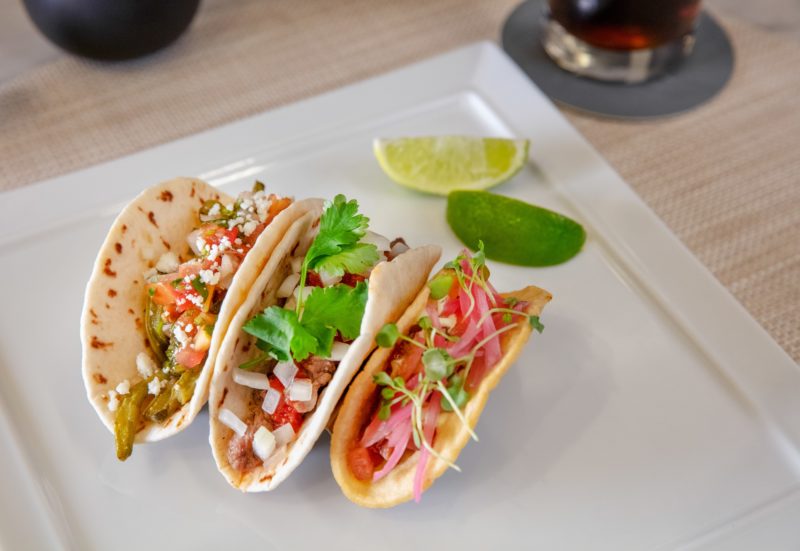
[
  {"x": 298, "y": 339},
  {"x": 177, "y": 263},
  {"x": 414, "y": 406}
]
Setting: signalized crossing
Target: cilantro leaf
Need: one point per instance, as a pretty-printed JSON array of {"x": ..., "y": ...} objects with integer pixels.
[
  {"x": 281, "y": 330},
  {"x": 322, "y": 334},
  {"x": 340, "y": 225},
  {"x": 355, "y": 259},
  {"x": 339, "y": 307}
]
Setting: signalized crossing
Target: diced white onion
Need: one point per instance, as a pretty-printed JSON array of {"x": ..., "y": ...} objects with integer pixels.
[
  {"x": 328, "y": 280},
  {"x": 124, "y": 387},
  {"x": 338, "y": 350},
  {"x": 168, "y": 263},
  {"x": 283, "y": 434},
  {"x": 297, "y": 264},
  {"x": 300, "y": 390},
  {"x": 192, "y": 240},
  {"x": 448, "y": 322},
  {"x": 288, "y": 285},
  {"x": 263, "y": 443},
  {"x": 145, "y": 365},
  {"x": 151, "y": 275},
  {"x": 306, "y": 291},
  {"x": 271, "y": 400},
  {"x": 308, "y": 405},
  {"x": 378, "y": 240},
  {"x": 229, "y": 419},
  {"x": 285, "y": 372},
  {"x": 250, "y": 379}
]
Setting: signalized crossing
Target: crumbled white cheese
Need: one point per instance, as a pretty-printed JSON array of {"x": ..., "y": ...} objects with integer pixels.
[
  {"x": 113, "y": 401},
  {"x": 197, "y": 300},
  {"x": 168, "y": 263},
  {"x": 180, "y": 336},
  {"x": 154, "y": 386},
  {"x": 214, "y": 210},
  {"x": 263, "y": 204},
  {"x": 249, "y": 227},
  {"x": 124, "y": 387},
  {"x": 189, "y": 327},
  {"x": 145, "y": 365},
  {"x": 209, "y": 277}
]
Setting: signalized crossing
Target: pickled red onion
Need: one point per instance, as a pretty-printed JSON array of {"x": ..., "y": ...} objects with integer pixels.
[
  {"x": 428, "y": 428},
  {"x": 397, "y": 440}
]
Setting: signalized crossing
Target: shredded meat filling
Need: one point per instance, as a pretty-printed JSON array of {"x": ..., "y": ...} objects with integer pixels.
[{"x": 240, "y": 448}]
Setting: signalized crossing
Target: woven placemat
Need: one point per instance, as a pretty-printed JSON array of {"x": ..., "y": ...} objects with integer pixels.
[{"x": 723, "y": 177}]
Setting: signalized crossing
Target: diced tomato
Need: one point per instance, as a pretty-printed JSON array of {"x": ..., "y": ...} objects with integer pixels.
[
  {"x": 278, "y": 204},
  {"x": 189, "y": 357},
  {"x": 360, "y": 463},
  {"x": 351, "y": 280},
  {"x": 187, "y": 318},
  {"x": 213, "y": 234},
  {"x": 285, "y": 413},
  {"x": 250, "y": 240},
  {"x": 189, "y": 269},
  {"x": 313, "y": 279},
  {"x": 163, "y": 293}
]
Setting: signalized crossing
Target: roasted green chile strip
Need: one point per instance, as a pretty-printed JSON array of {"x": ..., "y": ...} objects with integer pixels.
[{"x": 127, "y": 421}]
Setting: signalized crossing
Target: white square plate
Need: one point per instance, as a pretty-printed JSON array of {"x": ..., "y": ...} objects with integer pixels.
[{"x": 653, "y": 413}]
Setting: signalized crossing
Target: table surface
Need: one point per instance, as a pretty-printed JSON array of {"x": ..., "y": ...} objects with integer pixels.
[
  {"x": 23, "y": 48},
  {"x": 723, "y": 177}
]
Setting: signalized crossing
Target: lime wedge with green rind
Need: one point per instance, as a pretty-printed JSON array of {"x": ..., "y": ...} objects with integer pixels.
[
  {"x": 513, "y": 231},
  {"x": 441, "y": 164}
]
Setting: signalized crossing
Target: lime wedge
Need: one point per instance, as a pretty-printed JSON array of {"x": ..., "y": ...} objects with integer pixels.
[
  {"x": 513, "y": 231},
  {"x": 442, "y": 164}
]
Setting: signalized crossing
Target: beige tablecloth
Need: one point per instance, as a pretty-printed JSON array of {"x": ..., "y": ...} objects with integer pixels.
[{"x": 724, "y": 177}]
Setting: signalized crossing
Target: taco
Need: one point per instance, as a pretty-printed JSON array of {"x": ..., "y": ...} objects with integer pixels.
[
  {"x": 414, "y": 406},
  {"x": 298, "y": 339},
  {"x": 176, "y": 264}
]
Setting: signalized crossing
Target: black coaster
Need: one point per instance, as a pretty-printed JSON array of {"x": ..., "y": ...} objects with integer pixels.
[{"x": 696, "y": 80}]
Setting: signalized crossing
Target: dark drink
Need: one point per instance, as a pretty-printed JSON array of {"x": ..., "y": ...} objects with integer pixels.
[
  {"x": 626, "y": 24},
  {"x": 626, "y": 40}
]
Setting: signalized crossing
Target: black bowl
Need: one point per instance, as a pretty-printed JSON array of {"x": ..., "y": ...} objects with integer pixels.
[{"x": 112, "y": 29}]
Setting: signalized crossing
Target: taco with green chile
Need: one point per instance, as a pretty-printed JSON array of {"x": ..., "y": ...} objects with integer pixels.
[
  {"x": 177, "y": 263},
  {"x": 296, "y": 342},
  {"x": 415, "y": 404}
]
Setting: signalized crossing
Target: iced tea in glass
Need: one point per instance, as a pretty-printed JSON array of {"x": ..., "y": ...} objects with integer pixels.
[{"x": 620, "y": 40}]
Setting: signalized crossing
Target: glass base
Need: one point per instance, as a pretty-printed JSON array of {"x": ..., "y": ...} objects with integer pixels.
[{"x": 581, "y": 58}]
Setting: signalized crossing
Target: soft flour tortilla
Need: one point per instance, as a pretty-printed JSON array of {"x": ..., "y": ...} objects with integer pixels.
[
  {"x": 112, "y": 325},
  {"x": 392, "y": 286},
  {"x": 451, "y": 436}
]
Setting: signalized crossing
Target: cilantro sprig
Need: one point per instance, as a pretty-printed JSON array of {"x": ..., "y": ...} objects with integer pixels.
[
  {"x": 311, "y": 327},
  {"x": 336, "y": 248}
]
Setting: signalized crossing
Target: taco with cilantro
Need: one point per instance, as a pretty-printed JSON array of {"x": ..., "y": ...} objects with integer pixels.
[
  {"x": 177, "y": 263},
  {"x": 415, "y": 404},
  {"x": 296, "y": 342}
]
